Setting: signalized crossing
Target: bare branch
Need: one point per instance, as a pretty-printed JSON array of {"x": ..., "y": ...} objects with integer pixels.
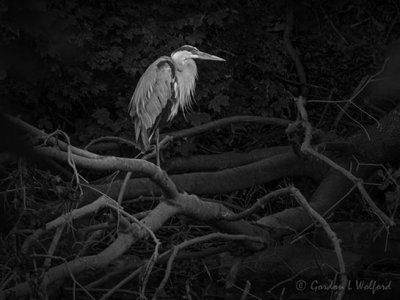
[
  {"x": 107, "y": 163},
  {"x": 331, "y": 234},
  {"x": 110, "y": 139},
  {"x": 307, "y": 148},
  {"x": 260, "y": 203},
  {"x": 226, "y": 121},
  {"x": 53, "y": 141},
  {"x": 201, "y": 239}
]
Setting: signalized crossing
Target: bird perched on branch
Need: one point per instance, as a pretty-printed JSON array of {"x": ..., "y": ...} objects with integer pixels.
[{"x": 166, "y": 86}]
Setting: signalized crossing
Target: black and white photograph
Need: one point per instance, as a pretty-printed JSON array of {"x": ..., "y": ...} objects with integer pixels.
[{"x": 214, "y": 149}]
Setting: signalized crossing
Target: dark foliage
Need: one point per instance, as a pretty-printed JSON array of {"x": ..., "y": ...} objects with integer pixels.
[{"x": 73, "y": 65}]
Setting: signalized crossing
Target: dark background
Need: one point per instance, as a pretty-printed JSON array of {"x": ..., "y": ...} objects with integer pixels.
[{"x": 73, "y": 66}]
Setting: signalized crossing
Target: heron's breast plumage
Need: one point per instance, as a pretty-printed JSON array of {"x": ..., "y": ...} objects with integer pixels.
[{"x": 184, "y": 88}]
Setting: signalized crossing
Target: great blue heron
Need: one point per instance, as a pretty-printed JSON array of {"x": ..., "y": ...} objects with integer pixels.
[{"x": 167, "y": 85}]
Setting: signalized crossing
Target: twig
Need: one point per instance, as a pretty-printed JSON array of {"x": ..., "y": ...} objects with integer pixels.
[
  {"x": 156, "y": 218},
  {"x": 110, "y": 139},
  {"x": 121, "y": 283},
  {"x": 307, "y": 148},
  {"x": 260, "y": 203},
  {"x": 53, "y": 246},
  {"x": 287, "y": 280},
  {"x": 92, "y": 238},
  {"x": 122, "y": 291},
  {"x": 299, "y": 234},
  {"x": 357, "y": 182},
  {"x": 157, "y": 242},
  {"x": 331, "y": 234},
  {"x": 246, "y": 290},
  {"x": 334, "y": 27},
  {"x": 365, "y": 81},
  {"x": 201, "y": 239},
  {"x": 7, "y": 278},
  {"x": 37, "y": 132},
  {"x": 355, "y": 121},
  {"x": 187, "y": 289},
  {"x": 123, "y": 187},
  {"x": 71, "y": 274},
  {"x": 162, "y": 258},
  {"x": 292, "y": 51},
  {"x": 67, "y": 217}
]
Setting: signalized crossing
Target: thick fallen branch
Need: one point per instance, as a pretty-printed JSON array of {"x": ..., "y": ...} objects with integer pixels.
[
  {"x": 383, "y": 146},
  {"x": 263, "y": 171},
  {"x": 333, "y": 188},
  {"x": 188, "y": 205},
  {"x": 66, "y": 218},
  {"x": 308, "y": 149},
  {"x": 48, "y": 138},
  {"x": 106, "y": 163},
  {"x": 203, "y": 163},
  {"x": 201, "y": 239}
]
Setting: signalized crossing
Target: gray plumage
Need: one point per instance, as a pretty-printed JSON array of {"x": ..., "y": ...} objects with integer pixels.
[{"x": 167, "y": 85}]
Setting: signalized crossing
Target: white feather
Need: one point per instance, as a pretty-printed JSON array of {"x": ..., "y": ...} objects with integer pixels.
[{"x": 186, "y": 75}]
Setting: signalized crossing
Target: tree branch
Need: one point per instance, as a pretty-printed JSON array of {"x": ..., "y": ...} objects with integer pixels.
[{"x": 223, "y": 122}]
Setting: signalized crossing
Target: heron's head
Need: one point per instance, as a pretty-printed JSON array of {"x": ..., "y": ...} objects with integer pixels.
[{"x": 189, "y": 52}]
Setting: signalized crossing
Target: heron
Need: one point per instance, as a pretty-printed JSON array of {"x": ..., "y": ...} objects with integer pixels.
[{"x": 167, "y": 86}]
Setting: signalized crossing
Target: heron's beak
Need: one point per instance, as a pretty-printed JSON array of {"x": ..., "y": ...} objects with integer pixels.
[{"x": 206, "y": 56}]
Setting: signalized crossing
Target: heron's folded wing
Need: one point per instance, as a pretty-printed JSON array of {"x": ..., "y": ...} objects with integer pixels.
[{"x": 152, "y": 93}]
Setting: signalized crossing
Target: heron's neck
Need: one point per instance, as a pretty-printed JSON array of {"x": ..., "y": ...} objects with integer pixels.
[
  {"x": 183, "y": 65},
  {"x": 186, "y": 76}
]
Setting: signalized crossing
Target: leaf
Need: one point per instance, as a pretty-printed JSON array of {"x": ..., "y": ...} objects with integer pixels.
[
  {"x": 219, "y": 101},
  {"x": 195, "y": 38},
  {"x": 199, "y": 118},
  {"x": 102, "y": 115}
]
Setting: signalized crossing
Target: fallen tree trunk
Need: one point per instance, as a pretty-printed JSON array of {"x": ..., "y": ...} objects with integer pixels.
[
  {"x": 380, "y": 145},
  {"x": 203, "y": 163},
  {"x": 229, "y": 180}
]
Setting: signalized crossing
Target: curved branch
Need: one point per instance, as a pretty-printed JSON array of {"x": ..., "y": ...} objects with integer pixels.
[
  {"x": 154, "y": 220},
  {"x": 307, "y": 148},
  {"x": 331, "y": 234},
  {"x": 189, "y": 205},
  {"x": 106, "y": 163},
  {"x": 75, "y": 214},
  {"x": 292, "y": 51},
  {"x": 260, "y": 203},
  {"x": 333, "y": 188},
  {"x": 51, "y": 140},
  {"x": 111, "y": 139},
  {"x": 228, "y": 180},
  {"x": 197, "y": 240}
]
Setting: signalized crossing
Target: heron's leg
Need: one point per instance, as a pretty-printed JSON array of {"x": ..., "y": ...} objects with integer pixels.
[{"x": 158, "y": 147}]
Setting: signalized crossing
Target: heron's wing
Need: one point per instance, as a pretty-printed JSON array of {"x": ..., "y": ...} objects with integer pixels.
[{"x": 153, "y": 91}]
